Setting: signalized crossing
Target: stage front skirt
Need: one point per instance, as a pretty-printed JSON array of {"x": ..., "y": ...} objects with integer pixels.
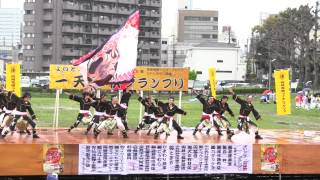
[{"x": 165, "y": 158}]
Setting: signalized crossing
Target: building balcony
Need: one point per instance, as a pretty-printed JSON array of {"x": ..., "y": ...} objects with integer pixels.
[
  {"x": 154, "y": 45},
  {"x": 155, "y": 25},
  {"x": 71, "y": 6},
  {"x": 86, "y": 19},
  {"x": 88, "y": 8},
  {"x": 47, "y": 16},
  {"x": 144, "y": 34},
  {"x": 47, "y": 6},
  {"x": 125, "y": 11},
  {"x": 145, "y": 24},
  {"x": 47, "y": 41},
  {"x": 28, "y": 17},
  {"x": 154, "y": 14},
  {"x": 89, "y": 31},
  {"x": 127, "y": 1},
  {"x": 47, "y": 28},
  {"x": 154, "y": 56},
  {"x": 47, "y": 52},
  {"x": 106, "y": 32},
  {"x": 70, "y": 18},
  {"x": 70, "y": 52},
  {"x": 144, "y": 2},
  {"x": 108, "y": 21},
  {"x": 28, "y": 40},
  {"x": 155, "y": 3},
  {"x": 70, "y": 29},
  {"x": 145, "y": 13},
  {"x": 107, "y": 0},
  {"x": 70, "y": 41},
  {"x": 155, "y": 35},
  {"x": 28, "y": 6},
  {"x": 28, "y": 29},
  {"x": 28, "y": 52},
  {"x": 107, "y": 9}
]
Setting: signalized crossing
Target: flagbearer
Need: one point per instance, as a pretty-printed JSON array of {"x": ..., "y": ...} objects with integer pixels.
[
  {"x": 85, "y": 103},
  {"x": 100, "y": 105},
  {"x": 246, "y": 107}
]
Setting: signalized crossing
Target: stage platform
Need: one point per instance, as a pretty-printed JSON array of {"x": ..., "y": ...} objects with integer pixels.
[
  {"x": 77, "y": 136},
  {"x": 22, "y": 155}
]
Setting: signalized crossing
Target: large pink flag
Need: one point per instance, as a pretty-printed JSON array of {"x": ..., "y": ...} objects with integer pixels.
[{"x": 114, "y": 61}]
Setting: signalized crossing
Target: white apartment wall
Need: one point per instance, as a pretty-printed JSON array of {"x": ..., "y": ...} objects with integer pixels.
[{"x": 200, "y": 59}]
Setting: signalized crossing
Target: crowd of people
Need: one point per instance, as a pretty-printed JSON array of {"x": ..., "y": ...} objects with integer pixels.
[
  {"x": 111, "y": 114},
  {"x": 307, "y": 101}
]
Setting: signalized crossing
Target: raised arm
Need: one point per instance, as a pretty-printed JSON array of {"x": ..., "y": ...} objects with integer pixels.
[{"x": 235, "y": 97}]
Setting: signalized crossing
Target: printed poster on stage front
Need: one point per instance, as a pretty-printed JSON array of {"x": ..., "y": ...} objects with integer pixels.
[{"x": 165, "y": 158}]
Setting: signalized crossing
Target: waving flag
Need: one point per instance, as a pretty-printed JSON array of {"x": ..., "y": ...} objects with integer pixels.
[{"x": 114, "y": 61}]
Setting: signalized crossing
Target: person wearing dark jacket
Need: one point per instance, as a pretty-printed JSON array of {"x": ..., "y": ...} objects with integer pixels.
[
  {"x": 246, "y": 107},
  {"x": 100, "y": 106},
  {"x": 8, "y": 107},
  {"x": 219, "y": 108},
  {"x": 149, "y": 108},
  {"x": 169, "y": 110},
  {"x": 85, "y": 104},
  {"x": 23, "y": 107},
  {"x": 207, "y": 111}
]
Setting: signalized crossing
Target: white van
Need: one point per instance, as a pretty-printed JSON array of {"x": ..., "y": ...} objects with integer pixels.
[{"x": 25, "y": 81}]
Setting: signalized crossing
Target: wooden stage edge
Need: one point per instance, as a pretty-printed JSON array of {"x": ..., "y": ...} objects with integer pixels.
[{"x": 22, "y": 155}]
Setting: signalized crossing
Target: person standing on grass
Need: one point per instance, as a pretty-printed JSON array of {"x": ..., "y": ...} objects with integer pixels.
[
  {"x": 149, "y": 108},
  {"x": 100, "y": 105},
  {"x": 23, "y": 108},
  {"x": 246, "y": 107},
  {"x": 169, "y": 109},
  {"x": 85, "y": 103}
]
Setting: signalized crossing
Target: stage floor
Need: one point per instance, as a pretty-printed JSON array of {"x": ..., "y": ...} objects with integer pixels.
[{"x": 61, "y": 136}]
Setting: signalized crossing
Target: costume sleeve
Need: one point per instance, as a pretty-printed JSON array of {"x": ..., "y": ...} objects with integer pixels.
[
  {"x": 142, "y": 100},
  {"x": 30, "y": 110},
  {"x": 237, "y": 99},
  {"x": 180, "y": 111},
  {"x": 201, "y": 99},
  {"x": 75, "y": 98},
  {"x": 229, "y": 110},
  {"x": 255, "y": 113}
]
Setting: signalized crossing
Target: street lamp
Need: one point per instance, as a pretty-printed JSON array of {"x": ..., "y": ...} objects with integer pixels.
[{"x": 270, "y": 71}]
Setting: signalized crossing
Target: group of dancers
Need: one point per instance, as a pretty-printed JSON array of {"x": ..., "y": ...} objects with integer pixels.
[{"x": 110, "y": 114}]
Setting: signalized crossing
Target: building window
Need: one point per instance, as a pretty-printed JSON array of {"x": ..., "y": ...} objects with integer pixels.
[
  {"x": 29, "y": 1},
  {"x": 205, "y": 36},
  {"x": 215, "y": 18},
  {"x": 219, "y": 61},
  {"x": 29, "y": 35},
  {"x": 29, "y": 12},
  {"x": 199, "y": 72},
  {"x": 164, "y": 42},
  {"x": 224, "y": 71},
  {"x": 164, "y": 51},
  {"x": 164, "y": 62},
  {"x": 214, "y": 36},
  {"x": 29, "y": 47}
]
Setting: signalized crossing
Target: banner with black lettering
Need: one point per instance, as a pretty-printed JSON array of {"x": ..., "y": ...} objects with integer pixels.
[{"x": 165, "y": 158}]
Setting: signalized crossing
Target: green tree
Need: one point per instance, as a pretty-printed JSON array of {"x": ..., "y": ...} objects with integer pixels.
[{"x": 192, "y": 75}]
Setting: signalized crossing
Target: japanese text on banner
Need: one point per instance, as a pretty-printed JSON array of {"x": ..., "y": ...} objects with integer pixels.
[
  {"x": 282, "y": 92},
  {"x": 165, "y": 159},
  {"x": 13, "y": 78}
]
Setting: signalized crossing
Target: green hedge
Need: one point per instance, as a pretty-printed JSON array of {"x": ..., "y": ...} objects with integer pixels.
[{"x": 244, "y": 91}]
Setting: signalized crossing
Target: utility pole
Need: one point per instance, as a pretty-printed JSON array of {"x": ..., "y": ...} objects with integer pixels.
[{"x": 315, "y": 60}]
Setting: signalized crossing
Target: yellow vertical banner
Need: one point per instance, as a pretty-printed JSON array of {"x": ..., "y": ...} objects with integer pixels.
[
  {"x": 13, "y": 78},
  {"x": 282, "y": 92},
  {"x": 213, "y": 81}
]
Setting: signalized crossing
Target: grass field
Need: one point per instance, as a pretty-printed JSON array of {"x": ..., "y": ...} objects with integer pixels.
[{"x": 43, "y": 105}]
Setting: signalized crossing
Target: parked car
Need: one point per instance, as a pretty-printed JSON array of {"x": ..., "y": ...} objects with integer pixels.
[{"x": 25, "y": 81}]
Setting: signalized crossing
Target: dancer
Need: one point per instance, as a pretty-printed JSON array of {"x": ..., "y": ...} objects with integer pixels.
[
  {"x": 246, "y": 107},
  {"x": 110, "y": 122},
  {"x": 124, "y": 104},
  {"x": 158, "y": 115},
  {"x": 169, "y": 109},
  {"x": 85, "y": 103},
  {"x": 100, "y": 105},
  {"x": 207, "y": 111},
  {"x": 149, "y": 108},
  {"x": 22, "y": 109},
  {"x": 8, "y": 106}
]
